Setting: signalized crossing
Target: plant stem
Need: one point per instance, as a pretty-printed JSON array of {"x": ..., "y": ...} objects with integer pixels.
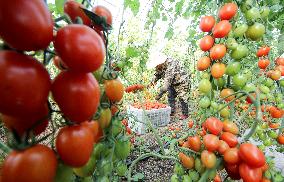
[
  {"x": 205, "y": 175},
  {"x": 4, "y": 148}
]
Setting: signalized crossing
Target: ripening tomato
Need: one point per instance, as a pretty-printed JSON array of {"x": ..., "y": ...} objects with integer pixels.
[
  {"x": 194, "y": 143},
  {"x": 223, "y": 146},
  {"x": 217, "y": 178},
  {"x": 231, "y": 127},
  {"x": 281, "y": 69},
  {"x": 265, "y": 180},
  {"x": 227, "y": 94},
  {"x": 203, "y": 63},
  {"x": 214, "y": 125},
  {"x": 74, "y": 145},
  {"x": 218, "y": 51},
  {"x": 251, "y": 155},
  {"x": 73, "y": 10},
  {"x": 230, "y": 139},
  {"x": 114, "y": 90},
  {"x": 231, "y": 156},
  {"x": 263, "y": 51},
  {"x": 58, "y": 63},
  {"x": 280, "y": 139},
  {"x": 36, "y": 122},
  {"x": 80, "y": 48},
  {"x": 211, "y": 142},
  {"x": 19, "y": 73},
  {"x": 205, "y": 86},
  {"x": 279, "y": 61},
  {"x": 105, "y": 118},
  {"x": 228, "y": 11},
  {"x": 26, "y": 25},
  {"x": 233, "y": 171},
  {"x": 206, "y": 43},
  {"x": 250, "y": 174},
  {"x": 77, "y": 95},
  {"x": 37, "y": 163},
  {"x": 263, "y": 63},
  {"x": 208, "y": 159},
  {"x": 186, "y": 161},
  {"x": 222, "y": 29},
  {"x": 103, "y": 12},
  {"x": 275, "y": 112},
  {"x": 218, "y": 70},
  {"x": 207, "y": 23},
  {"x": 275, "y": 75}
]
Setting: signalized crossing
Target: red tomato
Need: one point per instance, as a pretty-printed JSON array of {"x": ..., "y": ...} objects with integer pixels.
[
  {"x": 281, "y": 69},
  {"x": 73, "y": 9},
  {"x": 211, "y": 142},
  {"x": 25, "y": 84},
  {"x": 223, "y": 147},
  {"x": 214, "y": 125},
  {"x": 231, "y": 156},
  {"x": 233, "y": 171},
  {"x": 194, "y": 143},
  {"x": 263, "y": 63},
  {"x": 207, "y": 23},
  {"x": 80, "y": 48},
  {"x": 231, "y": 127},
  {"x": 280, "y": 139},
  {"x": 206, "y": 43},
  {"x": 228, "y": 11},
  {"x": 218, "y": 51},
  {"x": 263, "y": 51},
  {"x": 21, "y": 124},
  {"x": 222, "y": 29},
  {"x": 230, "y": 139},
  {"x": 279, "y": 61},
  {"x": 217, "y": 178},
  {"x": 203, "y": 63},
  {"x": 37, "y": 163},
  {"x": 94, "y": 126},
  {"x": 103, "y": 12},
  {"x": 114, "y": 90},
  {"x": 250, "y": 174},
  {"x": 77, "y": 95},
  {"x": 265, "y": 180},
  {"x": 26, "y": 25},
  {"x": 74, "y": 145},
  {"x": 208, "y": 159},
  {"x": 275, "y": 112},
  {"x": 58, "y": 63},
  {"x": 251, "y": 155}
]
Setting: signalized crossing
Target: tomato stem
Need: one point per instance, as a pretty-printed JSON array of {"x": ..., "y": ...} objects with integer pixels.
[
  {"x": 5, "y": 148},
  {"x": 205, "y": 175}
]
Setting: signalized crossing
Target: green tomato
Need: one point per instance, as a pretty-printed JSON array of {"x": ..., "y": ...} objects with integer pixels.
[
  {"x": 199, "y": 167},
  {"x": 280, "y": 105},
  {"x": 98, "y": 74},
  {"x": 267, "y": 142},
  {"x": 225, "y": 113},
  {"x": 120, "y": 64},
  {"x": 239, "y": 80},
  {"x": 247, "y": 5},
  {"x": 63, "y": 173},
  {"x": 249, "y": 87},
  {"x": 281, "y": 82},
  {"x": 261, "y": 147},
  {"x": 103, "y": 179},
  {"x": 264, "y": 12},
  {"x": 174, "y": 178},
  {"x": 194, "y": 175},
  {"x": 104, "y": 167},
  {"x": 231, "y": 43},
  {"x": 240, "y": 30},
  {"x": 248, "y": 74},
  {"x": 264, "y": 126},
  {"x": 233, "y": 68},
  {"x": 261, "y": 136},
  {"x": 267, "y": 174},
  {"x": 212, "y": 174},
  {"x": 214, "y": 105},
  {"x": 279, "y": 98},
  {"x": 268, "y": 82},
  {"x": 240, "y": 52},
  {"x": 278, "y": 178},
  {"x": 186, "y": 178},
  {"x": 220, "y": 82},
  {"x": 256, "y": 31},
  {"x": 121, "y": 169},
  {"x": 88, "y": 169},
  {"x": 272, "y": 134},
  {"x": 116, "y": 127},
  {"x": 87, "y": 179},
  {"x": 99, "y": 148},
  {"x": 262, "y": 96},
  {"x": 264, "y": 89},
  {"x": 122, "y": 149},
  {"x": 253, "y": 14},
  {"x": 204, "y": 102},
  {"x": 178, "y": 169},
  {"x": 205, "y": 75},
  {"x": 205, "y": 86},
  {"x": 259, "y": 130}
]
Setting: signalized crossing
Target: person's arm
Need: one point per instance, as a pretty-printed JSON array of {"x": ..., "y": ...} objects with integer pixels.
[{"x": 168, "y": 80}]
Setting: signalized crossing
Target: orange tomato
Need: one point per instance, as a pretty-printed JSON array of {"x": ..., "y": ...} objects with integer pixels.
[
  {"x": 203, "y": 63},
  {"x": 186, "y": 161},
  {"x": 218, "y": 51},
  {"x": 114, "y": 90},
  {"x": 218, "y": 70}
]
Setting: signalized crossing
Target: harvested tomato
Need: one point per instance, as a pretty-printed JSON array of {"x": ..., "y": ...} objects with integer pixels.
[
  {"x": 37, "y": 163},
  {"x": 223, "y": 147},
  {"x": 211, "y": 142},
  {"x": 250, "y": 174},
  {"x": 207, "y": 23},
  {"x": 231, "y": 127},
  {"x": 251, "y": 155},
  {"x": 19, "y": 73},
  {"x": 194, "y": 143},
  {"x": 74, "y": 10},
  {"x": 208, "y": 159},
  {"x": 233, "y": 171},
  {"x": 214, "y": 125},
  {"x": 228, "y": 11},
  {"x": 263, "y": 51},
  {"x": 203, "y": 63},
  {"x": 77, "y": 95},
  {"x": 80, "y": 48},
  {"x": 114, "y": 90},
  {"x": 222, "y": 29},
  {"x": 263, "y": 63},
  {"x": 103, "y": 12},
  {"x": 206, "y": 43},
  {"x": 186, "y": 161},
  {"x": 218, "y": 51},
  {"x": 29, "y": 26},
  {"x": 231, "y": 156},
  {"x": 229, "y": 138},
  {"x": 74, "y": 145},
  {"x": 218, "y": 70}
]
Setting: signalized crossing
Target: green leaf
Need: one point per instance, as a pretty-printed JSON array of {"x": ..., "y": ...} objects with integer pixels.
[
  {"x": 164, "y": 18},
  {"x": 170, "y": 33},
  {"x": 59, "y": 6},
  {"x": 131, "y": 52},
  {"x": 138, "y": 176},
  {"x": 134, "y": 5},
  {"x": 178, "y": 7}
]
